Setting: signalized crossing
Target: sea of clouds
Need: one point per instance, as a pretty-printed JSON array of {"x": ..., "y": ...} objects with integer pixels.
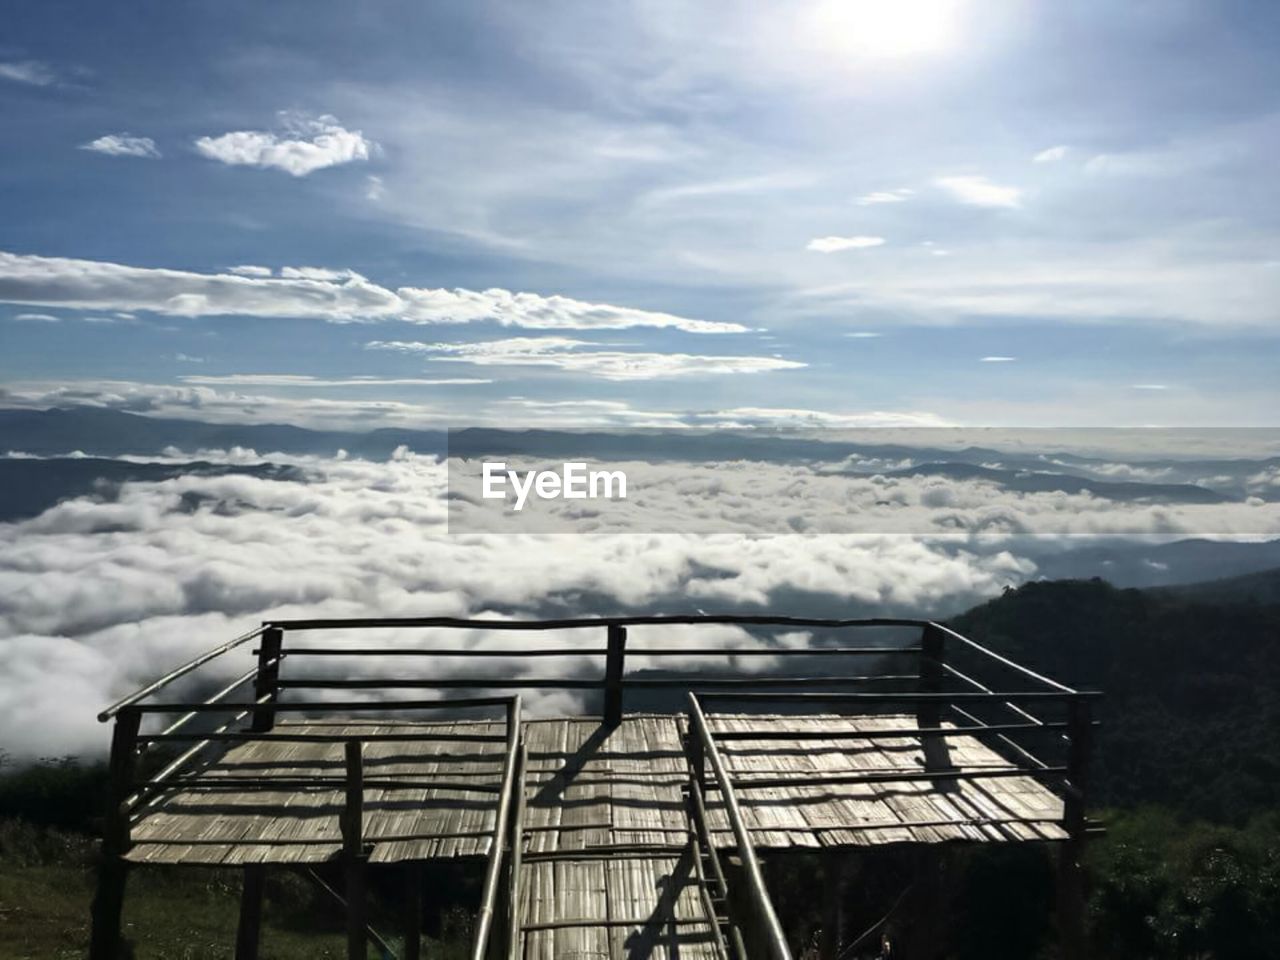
[{"x": 102, "y": 592}]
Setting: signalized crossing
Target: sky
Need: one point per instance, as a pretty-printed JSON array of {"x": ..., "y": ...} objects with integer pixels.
[{"x": 804, "y": 213}]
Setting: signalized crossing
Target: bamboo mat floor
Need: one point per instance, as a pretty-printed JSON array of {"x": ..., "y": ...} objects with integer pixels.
[
  {"x": 617, "y": 906},
  {"x": 587, "y": 790}
]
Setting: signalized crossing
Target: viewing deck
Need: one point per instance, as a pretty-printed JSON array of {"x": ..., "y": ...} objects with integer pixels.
[{"x": 614, "y": 835}]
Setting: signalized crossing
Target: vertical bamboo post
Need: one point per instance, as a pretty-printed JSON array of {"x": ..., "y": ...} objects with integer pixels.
[
  {"x": 108, "y": 900},
  {"x": 353, "y": 852},
  {"x": 1071, "y": 894},
  {"x": 613, "y": 669},
  {"x": 929, "y": 712},
  {"x": 413, "y": 912},
  {"x": 833, "y": 882},
  {"x": 249, "y": 927},
  {"x": 265, "y": 683}
]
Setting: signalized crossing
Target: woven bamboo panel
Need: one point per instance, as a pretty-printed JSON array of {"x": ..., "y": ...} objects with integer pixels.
[
  {"x": 588, "y": 789},
  {"x": 616, "y": 907}
]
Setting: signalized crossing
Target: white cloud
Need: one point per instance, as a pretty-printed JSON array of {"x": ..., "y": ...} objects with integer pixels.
[
  {"x": 31, "y": 72},
  {"x": 998, "y": 359},
  {"x": 781, "y": 418},
  {"x": 836, "y": 244},
  {"x": 542, "y": 313},
  {"x": 249, "y": 270},
  {"x": 191, "y": 401},
  {"x": 884, "y": 196},
  {"x": 864, "y": 335},
  {"x": 375, "y": 189},
  {"x": 304, "y": 380},
  {"x": 1150, "y": 386},
  {"x": 339, "y": 296},
  {"x": 325, "y": 274},
  {"x": 97, "y": 597},
  {"x": 306, "y": 145},
  {"x": 187, "y": 358},
  {"x": 980, "y": 192},
  {"x": 123, "y": 145},
  {"x": 37, "y": 317},
  {"x": 566, "y": 354},
  {"x": 1051, "y": 155}
]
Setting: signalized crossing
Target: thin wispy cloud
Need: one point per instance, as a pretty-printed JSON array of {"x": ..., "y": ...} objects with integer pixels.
[
  {"x": 334, "y": 295},
  {"x": 123, "y": 145},
  {"x": 837, "y": 244},
  {"x": 584, "y": 357},
  {"x": 998, "y": 359},
  {"x": 980, "y": 192},
  {"x": 305, "y": 380},
  {"x": 1050, "y": 155},
  {"x": 31, "y": 72},
  {"x": 304, "y": 145},
  {"x": 884, "y": 196},
  {"x": 36, "y": 317}
]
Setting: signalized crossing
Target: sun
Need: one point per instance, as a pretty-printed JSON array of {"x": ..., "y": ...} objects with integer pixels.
[{"x": 884, "y": 29}]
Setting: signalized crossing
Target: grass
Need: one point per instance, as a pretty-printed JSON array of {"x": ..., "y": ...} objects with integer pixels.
[{"x": 172, "y": 913}]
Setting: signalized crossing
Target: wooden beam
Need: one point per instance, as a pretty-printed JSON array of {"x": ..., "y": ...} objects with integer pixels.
[
  {"x": 267, "y": 682},
  {"x": 108, "y": 900},
  {"x": 613, "y": 671},
  {"x": 413, "y": 911},
  {"x": 249, "y": 927},
  {"x": 353, "y": 855},
  {"x": 937, "y": 756},
  {"x": 1071, "y": 893},
  {"x": 833, "y": 884}
]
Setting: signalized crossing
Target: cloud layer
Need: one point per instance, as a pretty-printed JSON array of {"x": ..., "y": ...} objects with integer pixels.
[
  {"x": 98, "y": 595},
  {"x": 338, "y": 296},
  {"x": 565, "y": 353}
]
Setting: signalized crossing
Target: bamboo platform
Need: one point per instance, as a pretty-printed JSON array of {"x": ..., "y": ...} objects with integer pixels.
[
  {"x": 588, "y": 789},
  {"x": 606, "y": 835}
]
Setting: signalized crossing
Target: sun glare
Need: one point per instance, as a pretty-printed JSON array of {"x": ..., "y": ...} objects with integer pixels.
[{"x": 884, "y": 28}]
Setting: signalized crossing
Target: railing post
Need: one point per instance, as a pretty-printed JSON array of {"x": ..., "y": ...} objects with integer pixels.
[
  {"x": 929, "y": 712},
  {"x": 108, "y": 900},
  {"x": 249, "y": 927},
  {"x": 613, "y": 669},
  {"x": 352, "y": 823},
  {"x": 413, "y": 912},
  {"x": 265, "y": 684},
  {"x": 1071, "y": 894}
]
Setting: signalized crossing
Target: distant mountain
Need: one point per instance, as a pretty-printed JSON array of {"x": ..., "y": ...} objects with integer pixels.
[
  {"x": 1130, "y": 563},
  {"x": 1252, "y": 588},
  {"x": 1026, "y": 481},
  {"x": 33, "y": 486},
  {"x": 111, "y": 433}
]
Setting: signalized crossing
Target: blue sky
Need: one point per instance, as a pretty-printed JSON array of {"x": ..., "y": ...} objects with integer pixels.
[{"x": 803, "y": 213}]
